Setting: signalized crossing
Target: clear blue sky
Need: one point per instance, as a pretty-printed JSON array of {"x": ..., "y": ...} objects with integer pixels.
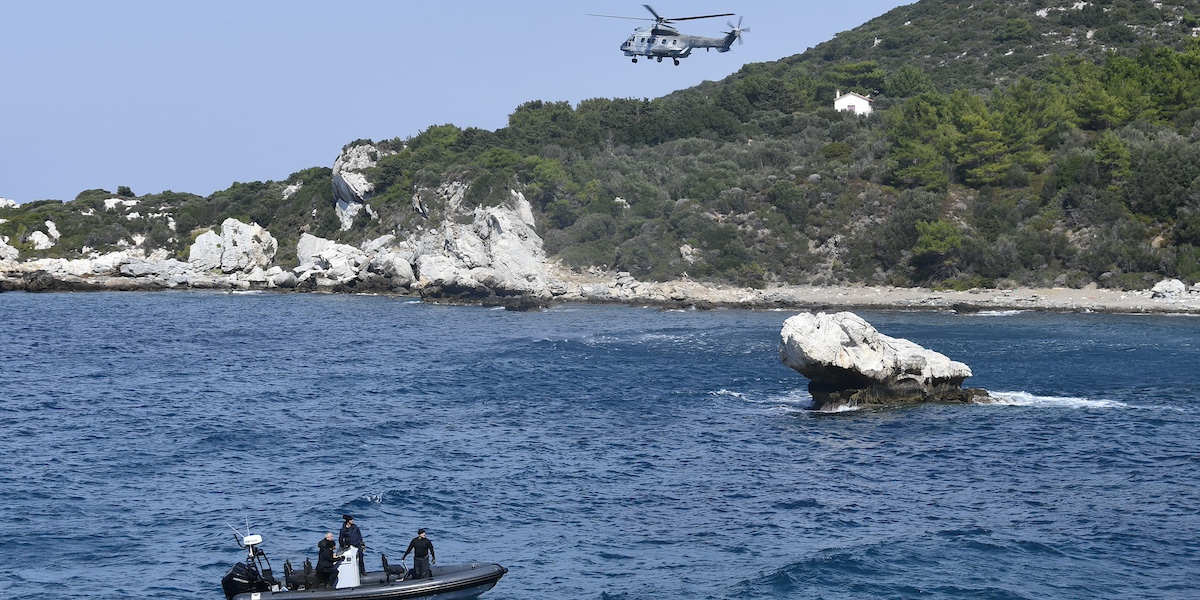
[{"x": 193, "y": 96}]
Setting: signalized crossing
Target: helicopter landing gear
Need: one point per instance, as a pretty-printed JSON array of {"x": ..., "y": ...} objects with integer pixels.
[
  {"x": 676, "y": 62},
  {"x": 635, "y": 61},
  {"x": 659, "y": 59}
]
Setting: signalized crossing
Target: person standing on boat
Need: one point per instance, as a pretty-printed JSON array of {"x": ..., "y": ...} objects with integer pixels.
[
  {"x": 422, "y": 550},
  {"x": 351, "y": 535},
  {"x": 327, "y": 562}
]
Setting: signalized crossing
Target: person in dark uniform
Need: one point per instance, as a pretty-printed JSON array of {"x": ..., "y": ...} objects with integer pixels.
[
  {"x": 351, "y": 535},
  {"x": 423, "y": 555},
  {"x": 327, "y": 562}
]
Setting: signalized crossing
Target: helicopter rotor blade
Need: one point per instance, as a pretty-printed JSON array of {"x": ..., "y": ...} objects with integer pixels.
[
  {"x": 657, "y": 17},
  {"x": 617, "y": 17},
  {"x": 700, "y": 17}
]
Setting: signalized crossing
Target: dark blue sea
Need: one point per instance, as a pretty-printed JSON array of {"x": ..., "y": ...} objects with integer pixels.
[{"x": 599, "y": 452}]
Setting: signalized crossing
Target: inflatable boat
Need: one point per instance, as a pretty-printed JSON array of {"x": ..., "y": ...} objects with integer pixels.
[{"x": 254, "y": 579}]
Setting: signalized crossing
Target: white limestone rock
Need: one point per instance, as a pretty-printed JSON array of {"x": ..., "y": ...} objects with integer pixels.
[
  {"x": 291, "y": 190},
  {"x": 239, "y": 248},
  {"x": 498, "y": 254},
  {"x": 846, "y": 341},
  {"x": 1168, "y": 289},
  {"x": 347, "y": 212},
  {"x": 309, "y": 246},
  {"x": 522, "y": 207},
  {"x": 393, "y": 265},
  {"x": 849, "y": 363},
  {"x": 351, "y": 188},
  {"x": 205, "y": 252},
  {"x": 349, "y": 171},
  {"x": 7, "y": 252},
  {"x": 41, "y": 240},
  {"x": 282, "y": 279},
  {"x": 341, "y": 263},
  {"x": 112, "y": 264},
  {"x": 169, "y": 269},
  {"x": 330, "y": 262},
  {"x": 378, "y": 244}
]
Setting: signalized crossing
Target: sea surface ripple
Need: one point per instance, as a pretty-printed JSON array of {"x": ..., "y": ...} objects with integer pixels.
[{"x": 599, "y": 452}]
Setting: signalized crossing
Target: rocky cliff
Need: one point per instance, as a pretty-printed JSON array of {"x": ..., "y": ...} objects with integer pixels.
[{"x": 489, "y": 255}]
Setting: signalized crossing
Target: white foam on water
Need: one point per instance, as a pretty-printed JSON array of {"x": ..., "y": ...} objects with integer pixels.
[
  {"x": 840, "y": 409},
  {"x": 790, "y": 401},
  {"x": 725, "y": 392},
  {"x": 1028, "y": 399}
]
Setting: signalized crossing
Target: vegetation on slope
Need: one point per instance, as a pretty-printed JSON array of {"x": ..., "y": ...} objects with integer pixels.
[{"x": 1012, "y": 143}]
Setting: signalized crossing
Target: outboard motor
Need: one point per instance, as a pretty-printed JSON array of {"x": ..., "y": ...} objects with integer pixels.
[{"x": 254, "y": 575}]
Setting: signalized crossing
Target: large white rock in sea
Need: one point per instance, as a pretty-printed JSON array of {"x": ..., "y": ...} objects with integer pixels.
[
  {"x": 238, "y": 248},
  {"x": 850, "y": 364}
]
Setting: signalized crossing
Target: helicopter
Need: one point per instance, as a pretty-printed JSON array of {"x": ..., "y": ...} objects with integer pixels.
[{"x": 662, "y": 40}]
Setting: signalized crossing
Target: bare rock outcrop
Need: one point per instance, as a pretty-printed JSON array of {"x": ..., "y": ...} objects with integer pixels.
[
  {"x": 351, "y": 188},
  {"x": 240, "y": 247},
  {"x": 1169, "y": 288},
  {"x": 495, "y": 259},
  {"x": 7, "y": 253},
  {"x": 851, "y": 365},
  {"x": 327, "y": 265}
]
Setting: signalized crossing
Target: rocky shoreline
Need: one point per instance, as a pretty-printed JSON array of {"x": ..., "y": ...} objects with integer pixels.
[
  {"x": 491, "y": 256},
  {"x": 620, "y": 288}
]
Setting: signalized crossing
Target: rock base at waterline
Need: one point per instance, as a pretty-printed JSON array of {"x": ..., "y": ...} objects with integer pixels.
[{"x": 891, "y": 394}]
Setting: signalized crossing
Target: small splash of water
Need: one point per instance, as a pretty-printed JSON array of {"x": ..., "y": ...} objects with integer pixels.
[
  {"x": 788, "y": 401},
  {"x": 725, "y": 392},
  {"x": 996, "y": 313}
]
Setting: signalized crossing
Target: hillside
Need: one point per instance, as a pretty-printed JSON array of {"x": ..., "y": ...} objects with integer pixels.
[{"x": 1012, "y": 144}]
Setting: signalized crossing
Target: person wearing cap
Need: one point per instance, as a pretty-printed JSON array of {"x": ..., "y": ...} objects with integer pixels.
[
  {"x": 422, "y": 550},
  {"x": 351, "y": 535},
  {"x": 327, "y": 562}
]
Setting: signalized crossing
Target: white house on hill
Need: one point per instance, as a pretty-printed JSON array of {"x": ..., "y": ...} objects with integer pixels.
[{"x": 859, "y": 105}]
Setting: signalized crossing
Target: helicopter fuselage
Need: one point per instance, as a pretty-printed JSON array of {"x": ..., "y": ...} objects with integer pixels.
[{"x": 664, "y": 42}]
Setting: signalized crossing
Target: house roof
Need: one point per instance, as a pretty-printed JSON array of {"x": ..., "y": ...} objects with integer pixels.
[{"x": 854, "y": 95}]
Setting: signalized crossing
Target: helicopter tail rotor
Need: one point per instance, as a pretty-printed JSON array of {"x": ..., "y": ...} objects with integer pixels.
[{"x": 735, "y": 33}]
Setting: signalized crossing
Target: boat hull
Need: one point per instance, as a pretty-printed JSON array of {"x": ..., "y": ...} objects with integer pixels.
[{"x": 455, "y": 582}]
